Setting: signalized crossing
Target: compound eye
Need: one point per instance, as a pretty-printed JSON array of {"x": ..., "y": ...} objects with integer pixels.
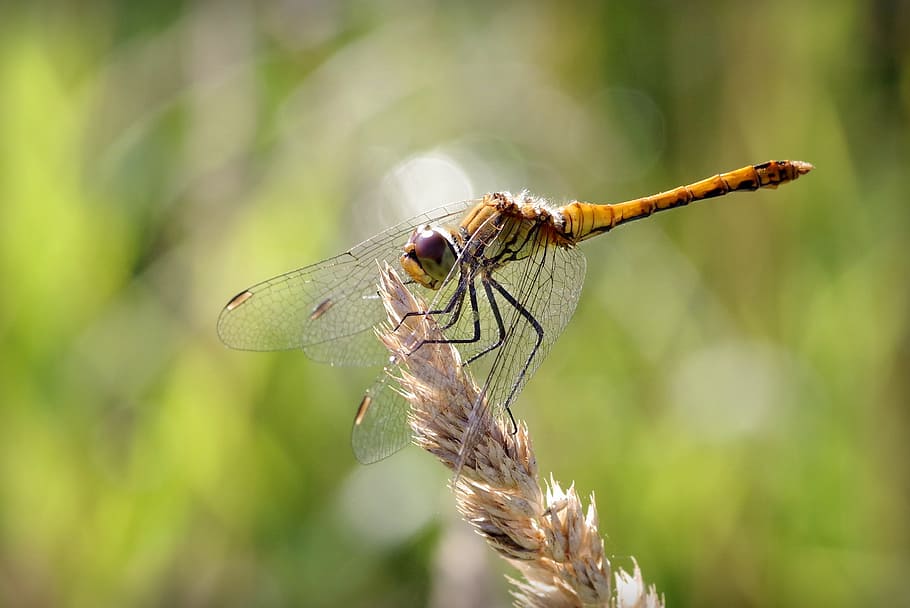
[{"x": 431, "y": 246}]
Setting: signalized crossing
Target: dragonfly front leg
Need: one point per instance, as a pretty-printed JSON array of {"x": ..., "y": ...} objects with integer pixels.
[
  {"x": 451, "y": 308},
  {"x": 472, "y": 298},
  {"x": 454, "y": 307}
]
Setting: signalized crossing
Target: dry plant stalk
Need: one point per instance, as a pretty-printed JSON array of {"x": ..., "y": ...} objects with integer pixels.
[{"x": 550, "y": 539}]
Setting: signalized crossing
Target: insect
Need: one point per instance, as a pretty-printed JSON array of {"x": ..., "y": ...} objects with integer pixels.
[{"x": 503, "y": 275}]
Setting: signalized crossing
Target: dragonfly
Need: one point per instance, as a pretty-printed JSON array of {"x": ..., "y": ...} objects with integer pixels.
[{"x": 502, "y": 274}]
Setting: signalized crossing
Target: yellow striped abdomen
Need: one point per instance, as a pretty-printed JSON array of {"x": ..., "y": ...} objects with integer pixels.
[{"x": 584, "y": 220}]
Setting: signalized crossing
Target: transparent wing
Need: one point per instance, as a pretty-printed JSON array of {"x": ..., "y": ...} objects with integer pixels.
[
  {"x": 536, "y": 298},
  {"x": 381, "y": 425},
  {"x": 327, "y": 309}
]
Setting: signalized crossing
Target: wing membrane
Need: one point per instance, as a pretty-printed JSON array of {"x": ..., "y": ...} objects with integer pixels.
[
  {"x": 546, "y": 287},
  {"x": 327, "y": 309},
  {"x": 381, "y": 426}
]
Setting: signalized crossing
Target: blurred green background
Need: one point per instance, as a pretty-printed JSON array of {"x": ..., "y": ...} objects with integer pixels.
[{"x": 734, "y": 386}]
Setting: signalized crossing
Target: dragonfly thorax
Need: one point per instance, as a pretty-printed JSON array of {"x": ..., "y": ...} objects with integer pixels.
[{"x": 429, "y": 255}]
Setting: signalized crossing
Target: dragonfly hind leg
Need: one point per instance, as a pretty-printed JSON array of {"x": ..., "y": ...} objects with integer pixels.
[
  {"x": 534, "y": 323},
  {"x": 499, "y": 324}
]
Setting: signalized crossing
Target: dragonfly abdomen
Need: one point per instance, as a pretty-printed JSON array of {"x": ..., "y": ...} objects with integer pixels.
[{"x": 584, "y": 220}]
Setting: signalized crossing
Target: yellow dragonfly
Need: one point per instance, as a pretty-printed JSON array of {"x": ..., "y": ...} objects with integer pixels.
[{"x": 502, "y": 273}]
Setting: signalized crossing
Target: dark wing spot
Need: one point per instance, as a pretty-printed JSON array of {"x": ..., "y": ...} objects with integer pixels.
[
  {"x": 322, "y": 308},
  {"x": 239, "y": 299},
  {"x": 362, "y": 409}
]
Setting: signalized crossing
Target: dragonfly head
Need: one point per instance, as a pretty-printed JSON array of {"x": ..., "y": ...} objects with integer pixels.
[{"x": 429, "y": 255}]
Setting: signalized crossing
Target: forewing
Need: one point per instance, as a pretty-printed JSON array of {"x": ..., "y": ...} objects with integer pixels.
[{"x": 327, "y": 309}]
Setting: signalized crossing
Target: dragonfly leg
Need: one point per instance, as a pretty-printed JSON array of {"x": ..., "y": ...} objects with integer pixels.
[
  {"x": 472, "y": 296},
  {"x": 499, "y": 324},
  {"x": 452, "y": 308},
  {"x": 512, "y": 422},
  {"x": 454, "y": 312},
  {"x": 534, "y": 323}
]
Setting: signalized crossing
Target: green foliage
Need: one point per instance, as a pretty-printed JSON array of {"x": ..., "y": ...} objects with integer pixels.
[{"x": 733, "y": 385}]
